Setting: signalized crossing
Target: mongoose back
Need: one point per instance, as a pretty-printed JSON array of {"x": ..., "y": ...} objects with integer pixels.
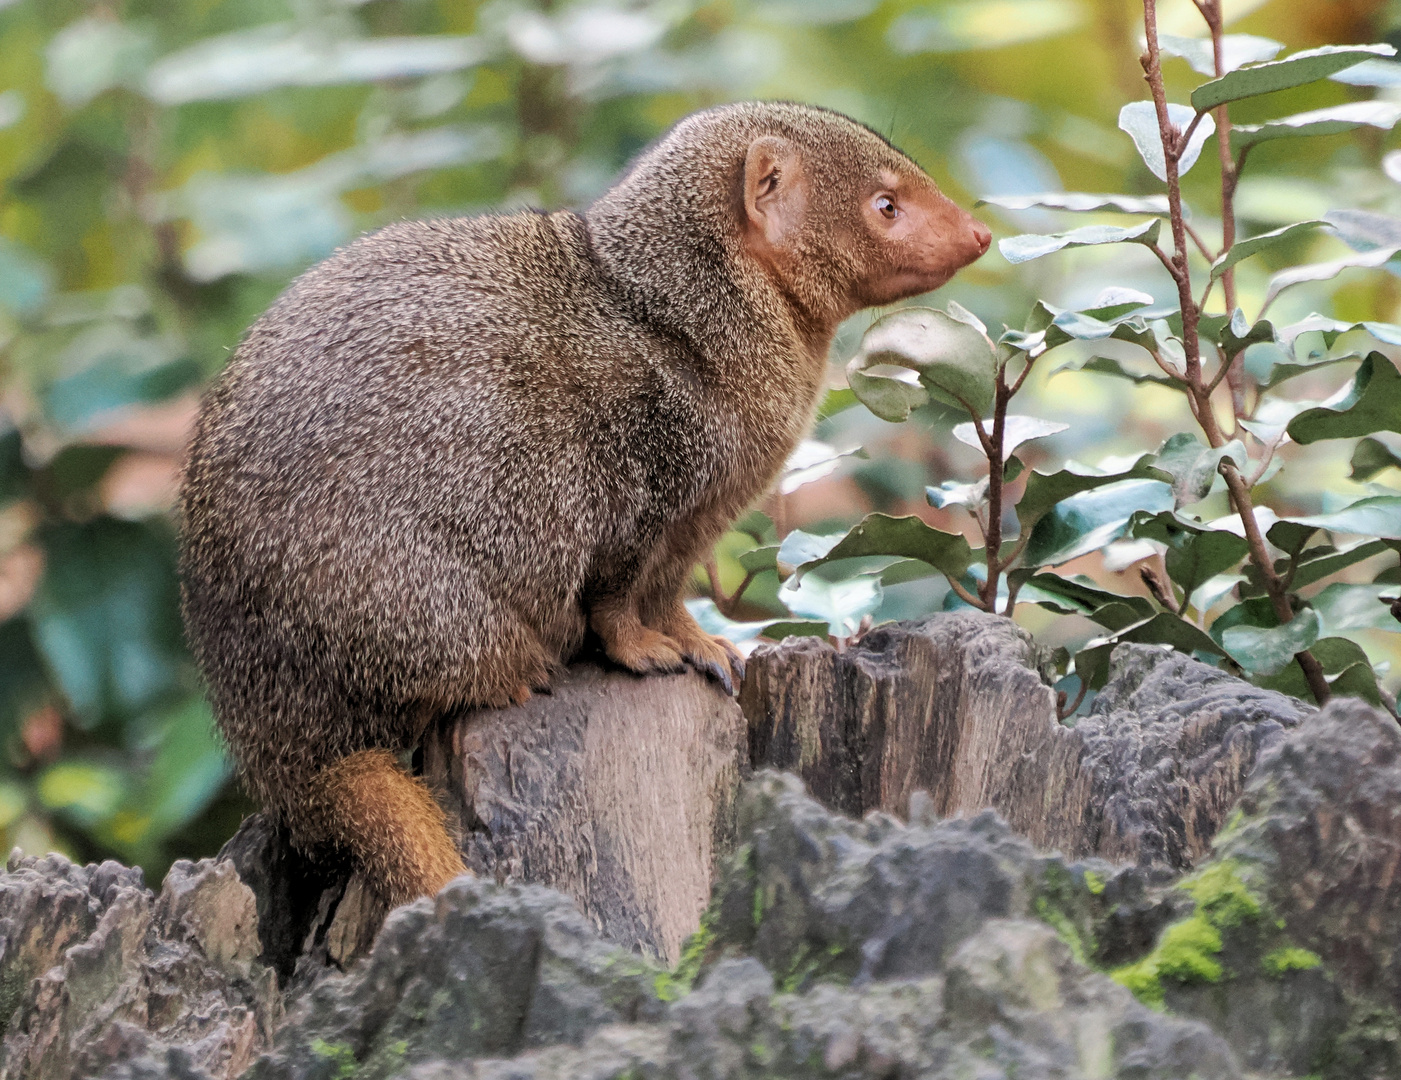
[{"x": 454, "y": 448}]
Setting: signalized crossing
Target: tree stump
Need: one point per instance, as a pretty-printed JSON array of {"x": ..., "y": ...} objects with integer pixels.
[
  {"x": 614, "y": 789},
  {"x": 955, "y": 706}
]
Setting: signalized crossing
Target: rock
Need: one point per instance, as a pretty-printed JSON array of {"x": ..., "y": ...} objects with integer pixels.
[
  {"x": 955, "y": 705},
  {"x": 96, "y": 970},
  {"x": 479, "y": 971},
  {"x": 859, "y": 948}
]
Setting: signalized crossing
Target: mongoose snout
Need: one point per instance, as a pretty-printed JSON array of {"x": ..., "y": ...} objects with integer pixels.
[{"x": 456, "y": 448}]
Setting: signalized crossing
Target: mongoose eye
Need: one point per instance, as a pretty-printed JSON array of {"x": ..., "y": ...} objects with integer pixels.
[{"x": 886, "y": 205}]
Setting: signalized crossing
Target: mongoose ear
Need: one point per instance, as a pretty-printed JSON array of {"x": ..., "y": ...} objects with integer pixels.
[{"x": 775, "y": 190}]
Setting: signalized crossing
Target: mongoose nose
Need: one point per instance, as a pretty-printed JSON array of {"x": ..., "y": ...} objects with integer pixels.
[{"x": 982, "y": 236}]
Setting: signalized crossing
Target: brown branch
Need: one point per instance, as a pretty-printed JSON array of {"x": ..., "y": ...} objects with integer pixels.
[
  {"x": 1161, "y": 590},
  {"x": 992, "y": 540},
  {"x": 1061, "y": 711},
  {"x": 1275, "y": 586},
  {"x": 1201, "y": 244}
]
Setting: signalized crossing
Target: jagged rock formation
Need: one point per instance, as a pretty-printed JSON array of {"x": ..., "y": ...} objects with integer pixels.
[
  {"x": 94, "y": 968},
  {"x": 1252, "y": 894}
]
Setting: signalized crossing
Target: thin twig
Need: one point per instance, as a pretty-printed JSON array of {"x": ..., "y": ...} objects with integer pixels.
[
  {"x": 1166, "y": 261},
  {"x": 964, "y": 595},
  {"x": 1157, "y": 585},
  {"x": 1061, "y": 711},
  {"x": 1201, "y": 244}
]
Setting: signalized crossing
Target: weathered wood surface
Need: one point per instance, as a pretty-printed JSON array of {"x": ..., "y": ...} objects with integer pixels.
[
  {"x": 614, "y": 789},
  {"x": 955, "y": 706}
]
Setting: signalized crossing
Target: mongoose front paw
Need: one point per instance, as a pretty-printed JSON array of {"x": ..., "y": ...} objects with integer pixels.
[
  {"x": 646, "y": 652},
  {"x": 717, "y": 657}
]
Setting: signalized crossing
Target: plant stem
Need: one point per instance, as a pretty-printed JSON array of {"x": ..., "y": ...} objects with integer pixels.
[
  {"x": 992, "y": 539},
  {"x": 1199, "y": 395}
]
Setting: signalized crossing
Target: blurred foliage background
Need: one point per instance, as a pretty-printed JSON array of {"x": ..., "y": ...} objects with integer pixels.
[{"x": 166, "y": 167}]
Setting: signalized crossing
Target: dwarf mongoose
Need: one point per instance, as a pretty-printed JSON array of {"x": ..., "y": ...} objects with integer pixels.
[{"x": 455, "y": 447}]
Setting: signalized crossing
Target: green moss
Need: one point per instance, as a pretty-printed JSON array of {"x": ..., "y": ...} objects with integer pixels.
[
  {"x": 1094, "y": 883},
  {"x": 1289, "y": 958},
  {"x": 677, "y": 982},
  {"x": 1187, "y": 949},
  {"x": 340, "y": 1054},
  {"x": 1222, "y": 896},
  {"x": 1063, "y": 925}
]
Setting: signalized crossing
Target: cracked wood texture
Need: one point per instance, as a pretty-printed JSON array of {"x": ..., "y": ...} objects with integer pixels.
[
  {"x": 955, "y": 706},
  {"x": 615, "y": 789}
]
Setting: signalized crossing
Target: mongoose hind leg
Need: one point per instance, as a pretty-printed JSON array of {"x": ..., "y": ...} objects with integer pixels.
[{"x": 368, "y": 805}]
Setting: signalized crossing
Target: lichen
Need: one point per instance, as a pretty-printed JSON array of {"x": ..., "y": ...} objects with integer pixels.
[
  {"x": 1289, "y": 958},
  {"x": 1094, "y": 883},
  {"x": 1222, "y": 896},
  {"x": 1061, "y": 896}
]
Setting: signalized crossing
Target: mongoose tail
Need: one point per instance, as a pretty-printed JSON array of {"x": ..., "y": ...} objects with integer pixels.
[{"x": 367, "y": 804}]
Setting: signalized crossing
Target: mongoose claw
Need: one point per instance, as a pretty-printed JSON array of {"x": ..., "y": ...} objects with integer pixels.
[{"x": 717, "y": 672}]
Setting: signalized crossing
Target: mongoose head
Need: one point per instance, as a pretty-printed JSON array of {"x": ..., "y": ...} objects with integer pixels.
[
  {"x": 844, "y": 219},
  {"x": 788, "y": 206}
]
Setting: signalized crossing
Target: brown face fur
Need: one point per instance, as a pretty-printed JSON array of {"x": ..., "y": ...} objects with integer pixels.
[{"x": 838, "y": 246}]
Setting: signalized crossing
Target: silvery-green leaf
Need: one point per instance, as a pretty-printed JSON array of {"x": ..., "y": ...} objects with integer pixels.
[
  {"x": 712, "y": 621},
  {"x": 952, "y": 493},
  {"x": 1140, "y": 120},
  {"x": 1193, "y": 465},
  {"x": 1080, "y": 202},
  {"x": 1237, "y": 50},
  {"x": 1377, "y": 516},
  {"x": 1323, "y": 271},
  {"x": 811, "y": 460},
  {"x": 92, "y": 55},
  {"x": 1371, "y": 73},
  {"x": 1265, "y": 651},
  {"x": 1016, "y": 430},
  {"x": 1370, "y": 403},
  {"x": 1371, "y": 456},
  {"x": 248, "y": 62},
  {"x": 1244, "y": 249},
  {"x": 1342, "y": 607},
  {"x": 1365, "y": 230},
  {"x": 1333, "y": 328},
  {"x": 1303, "y": 67},
  {"x": 842, "y": 604},
  {"x": 953, "y": 358},
  {"x": 1087, "y": 521},
  {"x": 1330, "y": 121},
  {"x": 1028, "y": 246},
  {"x": 583, "y": 34}
]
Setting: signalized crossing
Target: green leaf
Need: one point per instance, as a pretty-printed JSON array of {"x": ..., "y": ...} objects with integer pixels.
[
  {"x": 1332, "y": 329},
  {"x": 1264, "y": 651},
  {"x": 1140, "y": 120},
  {"x": 1044, "y": 490},
  {"x": 1342, "y": 606},
  {"x": 1344, "y": 664},
  {"x": 1324, "y": 271},
  {"x": 1079, "y": 595},
  {"x": 87, "y": 791},
  {"x": 1235, "y": 333},
  {"x": 881, "y": 534},
  {"x": 22, "y": 685},
  {"x": 704, "y": 611},
  {"x": 1244, "y": 249},
  {"x": 1319, "y": 562},
  {"x": 1165, "y": 628},
  {"x": 1330, "y": 121},
  {"x": 1365, "y": 230},
  {"x": 188, "y": 771},
  {"x": 1369, "y": 457},
  {"x": 1028, "y": 246},
  {"x": 253, "y": 61},
  {"x": 834, "y": 401},
  {"x": 1016, "y": 430},
  {"x": 1237, "y": 50},
  {"x": 105, "y": 617},
  {"x": 1080, "y": 202},
  {"x": 1193, "y": 465},
  {"x": 1194, "y": 555},
  {"x": 953, "y": 358},
  {"x": 1378, "y": 516},
  {"x": 1372, "y": 402},
  {"x": 1296, "y": 70},
  {"x": 1087, "y": 521},
  {"x": 25, "y": 279},
  {"x": 952, "y": 493},
  {"x": 759, "y": 559},
  {"x": 94, "y": 54},
  {"x": 841, "y": 604}
]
